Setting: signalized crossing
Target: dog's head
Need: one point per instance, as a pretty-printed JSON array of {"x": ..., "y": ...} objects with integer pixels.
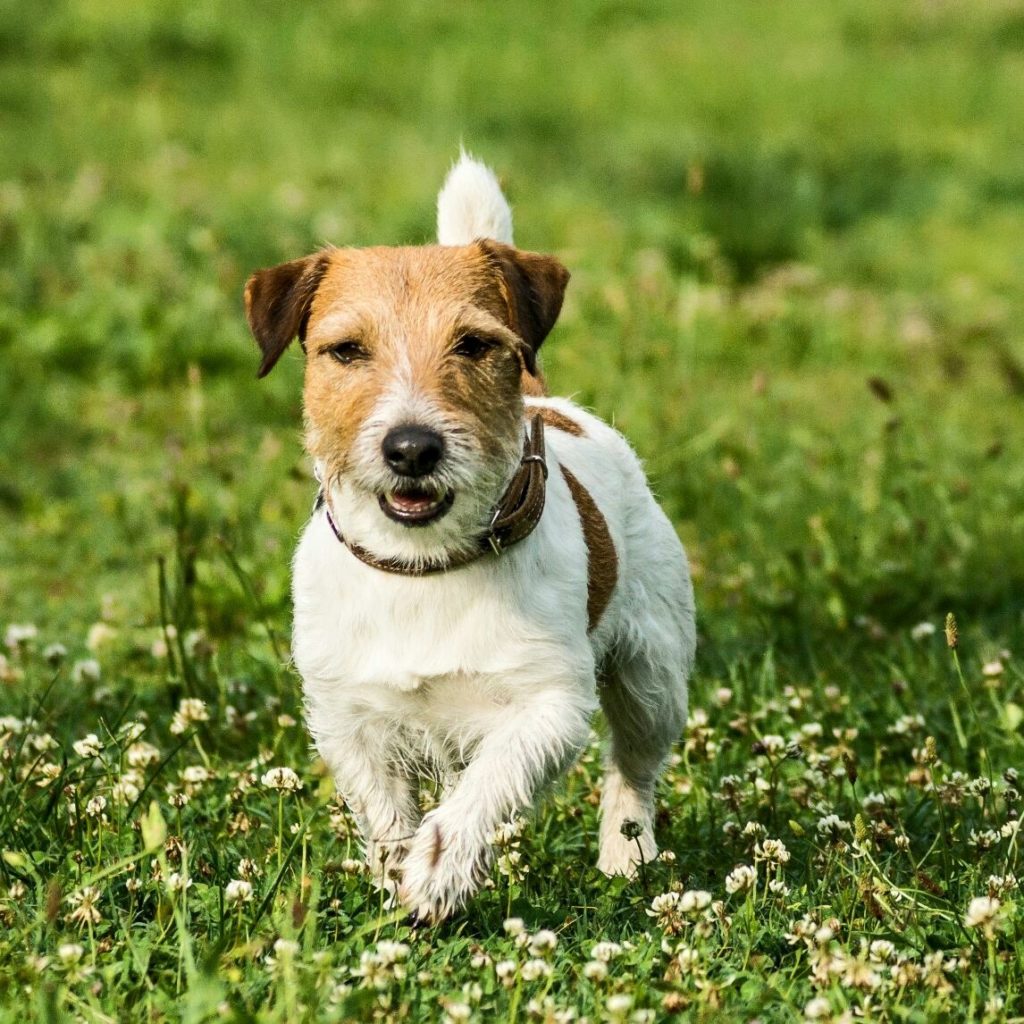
[{"x": 416, "y": 363}]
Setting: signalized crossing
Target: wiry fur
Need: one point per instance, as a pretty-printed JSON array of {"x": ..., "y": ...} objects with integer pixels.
[{"x": 485, "y": 677}]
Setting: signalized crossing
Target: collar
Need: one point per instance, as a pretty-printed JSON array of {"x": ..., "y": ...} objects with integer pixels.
[{"x": 513, "y": 519}]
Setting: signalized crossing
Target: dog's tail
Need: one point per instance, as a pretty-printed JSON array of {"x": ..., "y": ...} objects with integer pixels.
[{"x": 471, "y": 205}]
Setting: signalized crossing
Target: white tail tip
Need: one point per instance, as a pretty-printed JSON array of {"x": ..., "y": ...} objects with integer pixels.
[{"x": 471, "y": 205}]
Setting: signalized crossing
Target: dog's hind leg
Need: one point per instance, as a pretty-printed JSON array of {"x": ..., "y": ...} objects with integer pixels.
[{"x": 645, "y": 705}]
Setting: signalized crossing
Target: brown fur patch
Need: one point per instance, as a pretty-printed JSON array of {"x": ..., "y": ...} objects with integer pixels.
[
  {"x": 559, "y": 421},
  {"x": 602, "y": 560}
]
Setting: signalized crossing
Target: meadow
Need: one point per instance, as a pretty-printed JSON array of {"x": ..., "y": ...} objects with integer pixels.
[{"x": 795, "y": 234}]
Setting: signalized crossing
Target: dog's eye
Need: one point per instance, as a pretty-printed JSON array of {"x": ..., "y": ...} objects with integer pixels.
[
  {"x": 346, "y": 352},
  {"x": 473, "y": 346}
]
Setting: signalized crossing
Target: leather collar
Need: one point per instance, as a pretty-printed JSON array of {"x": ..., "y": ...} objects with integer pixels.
[{"x": 513, "y": 519}]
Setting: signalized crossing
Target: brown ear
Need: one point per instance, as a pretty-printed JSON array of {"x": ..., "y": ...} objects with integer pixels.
[
  {"x": 533, "y": 286},
  {"x": 277, "y": 304}
]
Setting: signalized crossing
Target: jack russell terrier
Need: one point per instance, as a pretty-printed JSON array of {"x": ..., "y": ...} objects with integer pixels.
[{"x": 485, "y": 564}]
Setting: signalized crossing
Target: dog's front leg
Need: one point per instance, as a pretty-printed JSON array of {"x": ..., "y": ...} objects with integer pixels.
[
  {"x": 381, "y": 795},
  {"x": 451, "y": 852}
]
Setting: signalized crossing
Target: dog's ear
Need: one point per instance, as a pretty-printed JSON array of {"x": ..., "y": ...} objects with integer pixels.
[
  {"x": 277, "y": 304},
  {"x": 533, "y": 286}
]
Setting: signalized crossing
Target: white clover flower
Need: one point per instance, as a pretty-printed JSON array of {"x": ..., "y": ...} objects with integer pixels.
[
  {"x": 89, "y": 746},
  {"x": 248, "y": 868},
  {"x": 286, "y": 948},
  {"x": 505, "y": 970},
  {"x": 543, "y": 942},
  {"x": 773, "y": 744},
  {"x": 70, "y": 952},
  {"x": 238, "y": 890},
  {"x": 456, "y": 1013},
  {"x": 85, "y": 911},
  {"x": 513, "y": 926},
  {"x": 54, "y": 654},
  {"x": 177, "y": 881},
  {"x": 882, "y": 951},
  {"x": 817, "y": 1009},
  {"x": 20, "y": 635},
  {"x": 536, "y": 968},
  {"x": 595, "y": 970},
  {"x": 127, "y": 788},
  {"x": 693, "y": 901},
  {"x": 771, "y": 850},
  {"x": 664, "y": 903},
  {"x": 619, "y": 1004},
  {"x": 506, "y": 833},
  {"x": 96, "y": 806},
  {"x": 11, "y": 725},
  {"x": 190, "y": 711},
  {"x": 982, "y": 912},
  {"x": 922, "y": 630},
  {"x": 99, "y": 635},
  {"x": 282, "y": 779},
  {"x": 86, "y": 670},
  {"x": 832, "y": 826},
  {"x": 351, "y": 866},
  {"x": 992, "y": 669},
  {"x": 392, "y": 952},
  {"x": 142, "y": 754},
  {"x": 687, "y": 958},
  {"x": 740, "y": 879},
  {"x": 605, "y": 951}
]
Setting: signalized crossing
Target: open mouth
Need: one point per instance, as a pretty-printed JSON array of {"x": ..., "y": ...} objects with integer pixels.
[{"x": 416, "y": 506}]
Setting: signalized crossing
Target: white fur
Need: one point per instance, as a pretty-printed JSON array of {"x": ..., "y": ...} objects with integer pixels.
[
  {"x": 486, "y": 677},
  {"x": 471, "y": 205}
]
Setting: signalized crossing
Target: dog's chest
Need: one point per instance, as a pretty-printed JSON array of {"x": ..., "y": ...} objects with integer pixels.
[{"x": 367, "y": 628}]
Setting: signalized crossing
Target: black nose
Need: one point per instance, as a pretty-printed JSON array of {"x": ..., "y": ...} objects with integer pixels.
[{"x": 412, "y": 451}]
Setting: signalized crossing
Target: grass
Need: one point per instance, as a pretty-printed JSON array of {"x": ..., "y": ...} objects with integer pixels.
[{"x": 794, "y": 232}]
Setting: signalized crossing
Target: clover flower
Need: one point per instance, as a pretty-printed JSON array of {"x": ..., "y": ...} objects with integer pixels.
[
  {"x": 238, "y": 891},
  {"x": 190, "y": 711},
  {"x": 772, "y": 851},
  {"x": 89, "y": 746},
  {"x": 282, "y": 779},
  {"x": 505, "y": 971},
  {"x": 983, "y": 913},
  {"x": 85, "y": 911},
  {"x": 86, "y": 670},
  {"x": 741, "y": 879},
  {"x": 19, "y": 635},
  {"x": 535, "y": 968},
  {"x": 605, "y": 951},
  {"x": 543, "y": 943}
]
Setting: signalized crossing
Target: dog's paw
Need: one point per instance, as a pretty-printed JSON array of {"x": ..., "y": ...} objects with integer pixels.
[
  {"x": 441, "y": 870},
  {"x": 621, "y": 855}
]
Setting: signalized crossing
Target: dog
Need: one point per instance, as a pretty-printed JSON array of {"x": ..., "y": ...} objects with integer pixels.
[{"x": 485, "y": 564}]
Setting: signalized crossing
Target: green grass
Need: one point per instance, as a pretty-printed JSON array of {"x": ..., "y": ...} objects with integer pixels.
[{"x": 794, "y": 232}]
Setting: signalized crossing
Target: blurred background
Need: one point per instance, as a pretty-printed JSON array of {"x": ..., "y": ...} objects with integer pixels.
[{"x": 795, "y": 233}]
